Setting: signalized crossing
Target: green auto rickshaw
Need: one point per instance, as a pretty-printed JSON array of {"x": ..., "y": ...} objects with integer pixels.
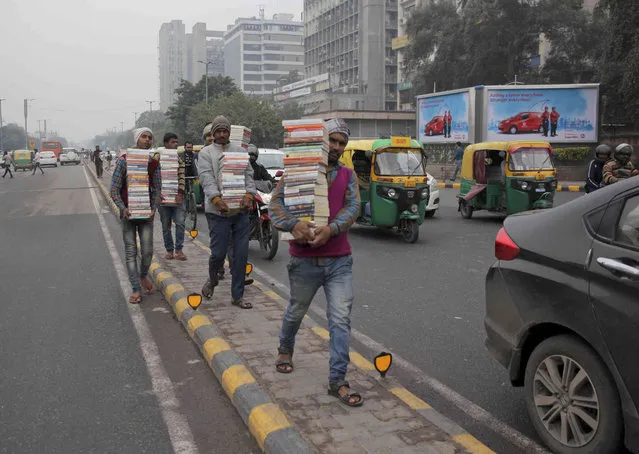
[
  {"x": 392, "y": 183},
  {"x": 507, "y": 177},
  {"x": 23, "y": 160}
]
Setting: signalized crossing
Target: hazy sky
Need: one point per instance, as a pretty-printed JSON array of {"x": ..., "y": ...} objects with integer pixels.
[{"x": 90, "y": 64}]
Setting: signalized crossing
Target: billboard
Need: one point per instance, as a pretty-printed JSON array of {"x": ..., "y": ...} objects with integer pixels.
[
  {"x": 446, "y": 117},
  {"x": 559, "y": 113}
]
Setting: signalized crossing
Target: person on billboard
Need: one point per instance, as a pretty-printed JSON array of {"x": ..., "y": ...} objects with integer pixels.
[
  {"x": 594, "y": 180},
  {"x": 545, "y": 119},
  {"x": 554, "y": 119},
  {"x": 449, "y": 122}
]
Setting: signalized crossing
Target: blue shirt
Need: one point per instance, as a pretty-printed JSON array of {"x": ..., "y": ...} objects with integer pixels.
[{"x": 459, "y": 154}]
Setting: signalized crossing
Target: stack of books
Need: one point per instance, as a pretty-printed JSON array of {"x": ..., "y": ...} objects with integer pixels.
[
  {"x": 305, "y": 184},
  {"x": 169, "y": 171},
  {"x": 137, "y": 180},
  {"x": 232, "y": 174},
  {"x": 240, "y": 136}
]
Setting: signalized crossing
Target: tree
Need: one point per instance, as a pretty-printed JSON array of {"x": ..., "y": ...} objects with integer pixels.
[
  {"x": 13, "y": 137},
  {"x": 253, "y": 112},
  {"x": 189, "y": 95}
]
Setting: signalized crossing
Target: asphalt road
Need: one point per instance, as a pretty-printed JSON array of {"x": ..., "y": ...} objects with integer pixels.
[
  {"x": 74, "y": 377},
  {"x": 425, "y": 302}
]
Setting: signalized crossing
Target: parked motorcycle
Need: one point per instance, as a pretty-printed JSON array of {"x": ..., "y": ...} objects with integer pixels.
[{"x": 261, "y": 227}]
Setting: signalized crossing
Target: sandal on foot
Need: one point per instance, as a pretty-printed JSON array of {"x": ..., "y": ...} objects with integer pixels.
[
  {"x": 241, "y": 303},
  {"x": 333, "y": 390},
  {"x": 169, "y": 256},
  {"x": 135, "y": 299},
  {"x": 147, "y": 285},
  {"x": 207, "y": 289},
  {"x": 284, "y": 366}
]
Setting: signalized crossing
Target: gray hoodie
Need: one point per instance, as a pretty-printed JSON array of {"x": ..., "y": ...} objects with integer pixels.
[{"x": 208, "y": 165}]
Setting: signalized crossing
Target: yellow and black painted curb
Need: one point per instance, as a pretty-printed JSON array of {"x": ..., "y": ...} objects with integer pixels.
[
  {"x": 267, "y": 423},
  {"x": 560, "y": 188}
]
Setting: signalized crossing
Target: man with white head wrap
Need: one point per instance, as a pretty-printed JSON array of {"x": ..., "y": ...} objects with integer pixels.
[
  {"x": 222, "y": 221},
  {"x": 207, "y": 135},
  {"x": 321, "y": 257},
  {"x": 132, "y": 228}
]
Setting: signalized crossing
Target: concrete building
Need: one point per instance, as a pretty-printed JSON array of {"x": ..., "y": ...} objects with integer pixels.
[
  {"x": 172, "y": 60},
  {"x": 215, "y": 52},
  {"x": 197, "y": 51},
  {"x": 351, "y": 41},
  {"x": 259, "y": 52}
]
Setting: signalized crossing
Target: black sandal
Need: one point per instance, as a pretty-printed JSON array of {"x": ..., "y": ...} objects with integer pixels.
[
  {"x": 207, "y": 289},
  {"x": 333, "y": 390},
  {"x": 241, "y": 303},
  {"x": 284, "y": 362}
]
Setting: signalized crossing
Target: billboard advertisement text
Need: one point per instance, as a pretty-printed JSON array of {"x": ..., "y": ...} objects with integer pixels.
[
  {"x": 444, "y": 118},
  {"x": 540, "y": 113}
]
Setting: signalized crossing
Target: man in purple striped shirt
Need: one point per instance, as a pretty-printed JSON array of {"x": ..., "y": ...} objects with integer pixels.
[{"x": 321, "y": 257}]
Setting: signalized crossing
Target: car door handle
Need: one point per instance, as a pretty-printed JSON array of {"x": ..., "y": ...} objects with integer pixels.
[{"x": 619, "y": 269}]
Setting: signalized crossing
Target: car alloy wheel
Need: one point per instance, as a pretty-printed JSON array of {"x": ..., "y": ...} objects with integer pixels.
[{"x": 566, "y": 401}]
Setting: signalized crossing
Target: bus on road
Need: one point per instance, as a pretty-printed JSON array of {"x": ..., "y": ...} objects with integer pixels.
[{"x": 52, "y": 145}]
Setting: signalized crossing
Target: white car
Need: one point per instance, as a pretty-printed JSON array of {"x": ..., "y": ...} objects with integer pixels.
[
  {"x": 47, "y": 158},
  {"x": 69, "y": 156},
  {"x": 273, "y": 162},
  {"x": 433, "y": 200}
]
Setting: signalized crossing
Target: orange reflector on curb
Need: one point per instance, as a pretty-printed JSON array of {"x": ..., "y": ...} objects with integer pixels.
[
  {"x": 383, "y": 362},
  {"x": 194, "y": 300}
]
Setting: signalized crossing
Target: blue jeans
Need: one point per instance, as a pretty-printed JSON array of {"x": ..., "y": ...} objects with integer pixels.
[
  {"x": 168, "y": 215},
  {"x": 306, "y": 276},
  {"x": 220, "y": 227},
  {"x": 143, "y": 228},
  {"x": 458, "y": 165}
]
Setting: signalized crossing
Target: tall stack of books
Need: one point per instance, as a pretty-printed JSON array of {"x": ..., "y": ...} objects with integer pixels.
[
  {"x": 240, "y": 136},
  {"x": 169, "y": 171},
  {"x": 305, "y": 184},
  {"x": 233, "y": 183},
  {"x": 137, "y": 180}
]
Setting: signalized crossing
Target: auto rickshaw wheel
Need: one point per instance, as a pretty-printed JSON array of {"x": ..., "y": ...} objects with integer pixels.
[
  {"x": 466, "y": 210},
  {"x": 410, "y": 231}
]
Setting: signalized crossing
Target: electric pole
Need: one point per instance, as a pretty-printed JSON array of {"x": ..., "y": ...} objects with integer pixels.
[
  {"x": 150, "y": 105},
  {"x": 206, "y": 81},
  {"x": 121, "y": 126},
  {"x": 39, "y": 129},
  {"x": 135, "y": 119},
  {"x": 1, "y": 99},
  {"x": 26, "y": 114}
]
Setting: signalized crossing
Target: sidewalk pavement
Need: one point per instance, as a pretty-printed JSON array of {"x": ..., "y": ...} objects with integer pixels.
[
  {"x": 571, "y": 186},
  {"x": 292, "y": 412}
]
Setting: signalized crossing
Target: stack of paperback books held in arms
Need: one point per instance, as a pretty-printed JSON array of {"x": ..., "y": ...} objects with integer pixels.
[
  {"x": 137, "y": 180},
  {"x": 169, "y": 171},
  {"x": 305, "y": 184},
  {"x": 233, "y": 183},
  {"x": 240, "y": 136}
]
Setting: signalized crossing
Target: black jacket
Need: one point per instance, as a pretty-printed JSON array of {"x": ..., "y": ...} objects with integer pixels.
[
  {"x": 260, "y": 173},
  {"x": 595, "y": 175}
]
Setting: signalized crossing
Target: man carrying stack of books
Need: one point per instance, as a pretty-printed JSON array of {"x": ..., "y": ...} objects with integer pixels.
[
  {"x": 321, "y": 257},
  {"x": 222, "y": 220}
]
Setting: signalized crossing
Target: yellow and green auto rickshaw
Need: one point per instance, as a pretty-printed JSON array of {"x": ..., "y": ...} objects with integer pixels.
[
  {"x": 23, "y": 160},
  {"x": 392, "y": 183},
  {"x": 507, "y": 177}
]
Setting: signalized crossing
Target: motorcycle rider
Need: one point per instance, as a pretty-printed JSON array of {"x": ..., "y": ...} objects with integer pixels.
[
  {"x": 621, "y": 167},
  {"x": 594, "y": 180},
  {"x": 259, "y": 171}
]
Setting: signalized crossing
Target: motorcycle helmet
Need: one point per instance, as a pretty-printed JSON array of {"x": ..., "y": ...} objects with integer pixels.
[
  {"x": 623, "y": 153},
  {"x": 253, "y": 151},
  {"x": 603, "y": 152}
]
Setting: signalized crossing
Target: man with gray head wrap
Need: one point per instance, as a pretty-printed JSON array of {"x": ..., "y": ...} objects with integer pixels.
[
  {"x": 207, "y": 136},
  {"x": 321, "y": 257}
]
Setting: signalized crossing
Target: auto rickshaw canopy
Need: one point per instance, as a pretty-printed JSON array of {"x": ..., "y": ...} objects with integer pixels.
[
  {"x": 469, "y": 161},
  {"x": 396, "y": 142}
]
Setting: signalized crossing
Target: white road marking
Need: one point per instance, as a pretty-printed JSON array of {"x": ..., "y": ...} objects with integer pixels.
[
  {"x": 473, "y": 410},
  {"x": 177, "y": 425}
]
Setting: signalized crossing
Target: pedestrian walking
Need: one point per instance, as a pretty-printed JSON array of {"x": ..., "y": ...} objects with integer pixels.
[
  {"x": 459, "y": 157},
  {"x": 222, "y": 221},
  {"x": 36, "y": 163},
  {"x": 109, "y": 158},
  {"x": 97, "y": 159},
  {"x": 6, "y": 160},
  {"x": 134, "y": 228},
  {"x": 174, "y": 213},
  {"x": 321, "y": 257}
]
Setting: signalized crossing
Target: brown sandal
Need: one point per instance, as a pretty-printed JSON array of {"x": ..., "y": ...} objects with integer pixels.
[
  {"x": 147, "y": 285},
  {"x": 284, "y": 366},
  {"x": 135, "y": 299}
]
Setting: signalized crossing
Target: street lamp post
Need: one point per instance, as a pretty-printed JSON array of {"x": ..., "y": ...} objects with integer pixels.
[
  {"x": 26, "y": 114},
  {"x": 206, "y": 75},
  {"x": 150, "y": 105},
  {"x": 1, "y": 99}
]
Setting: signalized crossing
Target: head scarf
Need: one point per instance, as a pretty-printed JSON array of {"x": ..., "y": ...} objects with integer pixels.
[
  {"x": 207, "y": 131},
  {"x": 338, "y": 125},
  {"x": 138, "y": 132},
  {"x": 220, "y": 122}
]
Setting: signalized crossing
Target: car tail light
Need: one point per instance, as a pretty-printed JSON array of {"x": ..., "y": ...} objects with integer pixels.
[
  {"x": 279, "y": 173},
  {"x": 505, "y": 247}
]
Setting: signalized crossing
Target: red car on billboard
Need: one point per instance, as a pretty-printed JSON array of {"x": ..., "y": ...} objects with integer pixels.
[
  {"x": 522, "y": 122},
  {"x": 435, "y": 126}
]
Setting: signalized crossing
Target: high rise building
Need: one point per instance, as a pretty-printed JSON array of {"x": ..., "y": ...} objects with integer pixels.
[
  {"x": 197, "y": 52},
  {"x": 264, "y": 51},
  {"x": 351, "y": 40},
  {"x": 172, "y": 60},
  {"x": 215, "y": 52}
]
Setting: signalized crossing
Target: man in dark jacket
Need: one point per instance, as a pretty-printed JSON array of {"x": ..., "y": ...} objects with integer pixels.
[
  {"x": 259, "y": 171},
  {"x": 594, "y": 180},
  {"x": 97, "y": 159}
]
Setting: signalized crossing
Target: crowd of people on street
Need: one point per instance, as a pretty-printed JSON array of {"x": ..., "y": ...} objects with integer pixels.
[{"x": 320, "y": 255}]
